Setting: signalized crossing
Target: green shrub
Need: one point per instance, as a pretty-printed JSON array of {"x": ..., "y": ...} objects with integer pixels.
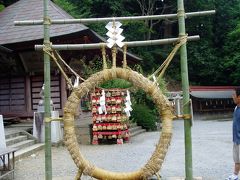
[
  {"x": 143, "y": 116},
  {"x": 116, "y": 83}
]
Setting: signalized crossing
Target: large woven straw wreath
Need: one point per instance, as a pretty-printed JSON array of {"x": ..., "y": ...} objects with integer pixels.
[{"x": 154, "y": 164}]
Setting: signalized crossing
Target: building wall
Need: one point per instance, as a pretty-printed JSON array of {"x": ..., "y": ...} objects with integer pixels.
[
  {"x": 12, "y": 95},
  {"x": 36, "y": 86},
  {"x": 19, "y": 96},
  {"x": 212, "y": 108},
  {"x": 212, "y": 105}
]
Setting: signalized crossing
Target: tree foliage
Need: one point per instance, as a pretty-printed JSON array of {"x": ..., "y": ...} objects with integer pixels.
[
  {"x": 209, "y": 59},
  {"x": 216, "y": 54},
  {"x": 1, "y": 7}
]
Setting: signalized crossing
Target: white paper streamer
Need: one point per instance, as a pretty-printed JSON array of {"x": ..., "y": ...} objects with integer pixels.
[
  {"x": 103, "y": 103},
  {"x": 76, "y": 82},
  {"x": 128, "y": 104}
]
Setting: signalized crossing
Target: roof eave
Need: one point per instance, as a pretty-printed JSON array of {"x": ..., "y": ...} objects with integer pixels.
[{"x": 4, "y": 49}]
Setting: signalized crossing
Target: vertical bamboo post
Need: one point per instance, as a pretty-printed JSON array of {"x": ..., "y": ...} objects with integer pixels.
[
  {"x": 185, "y": 88},
  {"x": 47, "y": 95}
]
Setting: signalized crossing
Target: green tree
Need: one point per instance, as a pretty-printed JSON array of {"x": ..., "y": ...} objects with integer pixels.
[
  {"x": 209, "y": 59},
  {"x": 1, "y": 7},
  {"x": 231, "y": 65},
  {"x": 208, "y": 63}
]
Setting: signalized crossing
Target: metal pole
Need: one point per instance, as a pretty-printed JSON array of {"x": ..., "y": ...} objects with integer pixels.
[
  {"x": 97, "y": 20},
  {"x": 47, "y": 95},
  {"x": 185, "y": 88},
  {"x": 129, "y": 44}
]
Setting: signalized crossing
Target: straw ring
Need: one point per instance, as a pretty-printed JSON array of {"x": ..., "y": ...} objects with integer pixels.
[{"x": 154, "y": 164}]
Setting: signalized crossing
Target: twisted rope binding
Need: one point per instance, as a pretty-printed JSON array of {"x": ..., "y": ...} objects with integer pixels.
[
  {"x": 47, "y": 49},
  {"x": 47, "y": 20},
  {"x": 114, "y": 57},
  {"x": 181, "y": 13},
  {"x": 125, "y": 56},
  {"x": 61, "y": 59},
  {"x": 103, "y": 49},
  {"x": 161, "y": 70}
]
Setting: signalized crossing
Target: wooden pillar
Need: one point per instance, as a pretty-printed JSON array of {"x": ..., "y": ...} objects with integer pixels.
[
  {"x": 28, "y": 95},
  {"x": 63, "y": 90}
]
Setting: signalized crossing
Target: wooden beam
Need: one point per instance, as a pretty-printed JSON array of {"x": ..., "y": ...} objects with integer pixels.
[{"x": 23, "y": 63}]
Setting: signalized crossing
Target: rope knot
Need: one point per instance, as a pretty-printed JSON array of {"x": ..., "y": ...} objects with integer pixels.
[
  {"x": 88, "y": 170},
  {"x": 47, "y": 20},
  {"x": 181, "y": 13}
]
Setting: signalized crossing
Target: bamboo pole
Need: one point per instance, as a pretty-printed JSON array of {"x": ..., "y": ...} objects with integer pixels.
[
  {"x": 47, "y": 95},
  {"x": 185, "y": 89},
  {"x": 97, "y": 20},
  {"x": 129, "y": 44}
]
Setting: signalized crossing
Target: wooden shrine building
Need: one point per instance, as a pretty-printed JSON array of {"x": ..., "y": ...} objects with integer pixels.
[
  {"x": 21, "y": 76},
  {"x": 212, "y": 100}
]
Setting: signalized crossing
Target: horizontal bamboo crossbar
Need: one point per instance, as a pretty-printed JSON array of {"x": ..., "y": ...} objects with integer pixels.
[
  {"x": 96, "y": 20},
  {"x": 129, "y": 44}
]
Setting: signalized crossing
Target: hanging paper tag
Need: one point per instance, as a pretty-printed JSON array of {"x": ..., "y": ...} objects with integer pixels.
[
  {"x": 154, "y": 78},
  {"x": 127, "y": 112},
  {"x": 104, "y": 109},
  {"x": 102, "y": 98},
  {"x": 100, "y": 110},
  {"x": 76, "y": 82},
  {"x": 128, "y": 106},
  {"x": 128, "y": 98},
  {"x": 102, "y": 102}
]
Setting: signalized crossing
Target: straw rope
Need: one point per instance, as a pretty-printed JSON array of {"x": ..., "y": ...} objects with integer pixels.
[
  {"x": 161, "y": 70},
  {"x": 181, "y": 13},
  {"x": 154, "y": 164},
  {"x": 48, "y": 50},
  {"x": 57, "y": 55},
  {"x": 79, "y": 174},
  {"x": 103, "y": 49},
  {"x": 125, "y": 56},
  {"x": 47, "y": 20},
  {"x": 114, "y": 56}
]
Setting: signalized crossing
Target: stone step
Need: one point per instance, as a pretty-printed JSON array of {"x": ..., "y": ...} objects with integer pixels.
[
  {"x": 139, "y": 131},
  {"x": 23, "y": 141},
  {"x": 23, "y": 144},
  {"x": 132, "y": 125},
  {"x": 136, "y": 128},
  {"x": 23, "y": 124},
  {"x": 13, "y": 140},
  {"x": 28, "y": 151},
  {"x": 12, "y": 134}
]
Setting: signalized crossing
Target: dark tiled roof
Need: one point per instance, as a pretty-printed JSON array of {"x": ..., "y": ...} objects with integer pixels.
[
  {"x": 212, "y": 92},
  {"x": 32, "y": 10}
]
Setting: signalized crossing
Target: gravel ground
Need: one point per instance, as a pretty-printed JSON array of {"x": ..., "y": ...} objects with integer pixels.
[{"x": 212, "y": 154}]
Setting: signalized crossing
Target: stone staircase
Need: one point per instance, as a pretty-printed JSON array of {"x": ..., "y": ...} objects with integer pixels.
[
  {"x": 24, "y": 142},
  {"x": 134, "y": 129}
]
